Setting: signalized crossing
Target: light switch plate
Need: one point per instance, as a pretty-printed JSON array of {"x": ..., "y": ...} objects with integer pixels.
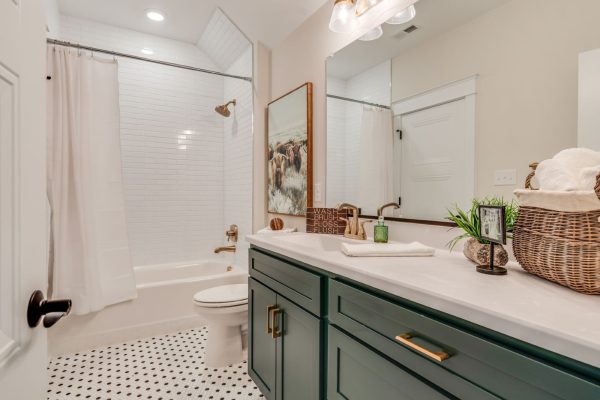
[{"x": 505, "y": 177}]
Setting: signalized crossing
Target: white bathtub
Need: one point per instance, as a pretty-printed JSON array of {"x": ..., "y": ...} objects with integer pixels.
[{"x": 164, "y": 305}]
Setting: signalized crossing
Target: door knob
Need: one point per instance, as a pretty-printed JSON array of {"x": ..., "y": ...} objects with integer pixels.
[{"x": 50, "y": 310}]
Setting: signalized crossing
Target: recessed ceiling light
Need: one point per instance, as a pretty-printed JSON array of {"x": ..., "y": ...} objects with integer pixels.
[
  {"x": 148, "y": 51},
  {"x": 155, "y": 15}
]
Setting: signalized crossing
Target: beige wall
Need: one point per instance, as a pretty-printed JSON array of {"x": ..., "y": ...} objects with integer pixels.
[
  {"x": 301, "y": 58},
  {"x": 526, "y": 55}
]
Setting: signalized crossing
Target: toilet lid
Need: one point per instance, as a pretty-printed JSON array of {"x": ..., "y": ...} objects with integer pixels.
[{"x": 225, "y": 296}]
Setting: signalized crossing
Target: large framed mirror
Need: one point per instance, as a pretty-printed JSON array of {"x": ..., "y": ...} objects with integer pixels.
[{"x": 457, "y": 102}]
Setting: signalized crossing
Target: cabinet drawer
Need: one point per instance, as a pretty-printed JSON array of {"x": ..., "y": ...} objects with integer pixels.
[
  {"x": 297, "y": 284},
  {"x": 494, "y": 368},
  {"x": 358, "y": 373}
]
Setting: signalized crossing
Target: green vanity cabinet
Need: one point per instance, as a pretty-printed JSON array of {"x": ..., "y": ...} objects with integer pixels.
[
  {"x": 343, "y": 340},
  {"x": 355, "y": 372},
  {"x": 284, "y": 341}
]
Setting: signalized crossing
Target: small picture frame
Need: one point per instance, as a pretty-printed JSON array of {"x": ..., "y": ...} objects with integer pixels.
[{"x": 493, "y": 223}]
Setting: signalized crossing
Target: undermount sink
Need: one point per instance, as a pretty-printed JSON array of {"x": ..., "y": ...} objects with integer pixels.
[{"x": 314, "y": 241}]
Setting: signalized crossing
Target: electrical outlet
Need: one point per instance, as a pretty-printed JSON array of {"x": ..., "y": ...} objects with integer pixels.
[
  {"x": 317, "y": 195},
  {"x": 505, "y": 177}
]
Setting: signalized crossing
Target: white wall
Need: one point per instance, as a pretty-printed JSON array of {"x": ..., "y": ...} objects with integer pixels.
[
  {"x": 237, "y": 155},
  {"x": 589, "y": 100},
  {"x": 526, "y": 54},
  {"x": 178, "y": 187}
]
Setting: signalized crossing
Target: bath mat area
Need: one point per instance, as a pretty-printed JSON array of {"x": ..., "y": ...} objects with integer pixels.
[{"x": 168, "y": 367}]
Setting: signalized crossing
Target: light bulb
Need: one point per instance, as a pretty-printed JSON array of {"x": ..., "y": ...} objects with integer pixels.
[
  {"x": 343, "y": 17},
  {"x": 155, "y": 15},
  {"x": 373, "y": 34},
  {"x": 403, "y": 16}
]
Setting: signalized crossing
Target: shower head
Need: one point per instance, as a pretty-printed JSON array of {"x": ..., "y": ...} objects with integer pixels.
[{"x": 224, "y": 110}]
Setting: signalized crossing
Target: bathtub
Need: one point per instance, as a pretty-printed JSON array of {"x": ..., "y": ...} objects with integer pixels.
[{"x": 163, "y": 305}]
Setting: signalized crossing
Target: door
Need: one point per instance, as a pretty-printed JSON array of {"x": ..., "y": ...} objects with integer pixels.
[
  {"x": 435, "y": 166},
  {"x": 298, "y": 353},
  {"x": 23, "y": 244},
  {"x": 358, "y": 373},
  {"x": 262, "y": 360}
]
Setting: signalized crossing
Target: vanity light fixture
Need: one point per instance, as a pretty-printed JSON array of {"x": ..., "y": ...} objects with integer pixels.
[
  {"x": 373, "y": 34},
  {"x": 403, "y": 16},
  {"x": 155, "y": 15},
  {"x": 343, "y": 17},
  {"x": 349, "y": 16}
]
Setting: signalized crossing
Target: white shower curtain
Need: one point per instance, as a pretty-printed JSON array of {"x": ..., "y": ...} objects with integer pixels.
[
  {"x": 90, "y": 260},
  {"x": 375, "y": 175}
]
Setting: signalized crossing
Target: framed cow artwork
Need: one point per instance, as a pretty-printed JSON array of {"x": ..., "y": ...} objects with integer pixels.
[{"x": 289, "y": 153}]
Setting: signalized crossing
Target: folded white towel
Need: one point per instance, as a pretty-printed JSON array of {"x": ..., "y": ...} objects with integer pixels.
[
  {"x": 414, "y": 249},
  {"x": 268, "y": 230}
]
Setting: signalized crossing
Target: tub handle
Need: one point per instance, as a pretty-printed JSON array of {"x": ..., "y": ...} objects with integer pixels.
[{"x": 269, "y": 309}]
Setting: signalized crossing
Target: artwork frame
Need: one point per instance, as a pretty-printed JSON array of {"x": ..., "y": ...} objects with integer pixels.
[
  {"x": 289, "y": 151},
  {"x": 493, "y": 223}
]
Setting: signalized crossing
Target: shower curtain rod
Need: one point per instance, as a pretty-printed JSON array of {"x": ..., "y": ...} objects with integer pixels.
[
  {"x": 359, "y": 101},
  {"x": 124, "y": 55}
]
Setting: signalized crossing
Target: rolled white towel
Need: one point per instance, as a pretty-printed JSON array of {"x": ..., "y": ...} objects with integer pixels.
[
  {"x": 414, "y": 249},
  {"x": 576, "y": 159},
  {"x": 552, "y": 174},
  {"x": 588, "y": 177},
  {"x": 569, "y": 170},
  {"x": 268, "y": 230}
]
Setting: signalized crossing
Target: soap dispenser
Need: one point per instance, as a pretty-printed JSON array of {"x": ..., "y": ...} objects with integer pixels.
[{"x": 381, "y": 229}]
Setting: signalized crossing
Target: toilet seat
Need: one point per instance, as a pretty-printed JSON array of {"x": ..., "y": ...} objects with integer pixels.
[{"x": 222, "y": 296}]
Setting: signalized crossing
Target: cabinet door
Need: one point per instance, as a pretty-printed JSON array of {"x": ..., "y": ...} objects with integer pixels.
[
  {"x": 262, "y": 358},
  {"x": 298, "y": 353},
  {"x": 356, "y": 372}
]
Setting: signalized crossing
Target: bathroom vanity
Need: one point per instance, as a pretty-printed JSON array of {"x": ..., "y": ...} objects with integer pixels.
[{"x": 326, "y": 326}]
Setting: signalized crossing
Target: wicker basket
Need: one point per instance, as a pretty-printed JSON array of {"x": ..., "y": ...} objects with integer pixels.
[{"x": 560, "y": 246}]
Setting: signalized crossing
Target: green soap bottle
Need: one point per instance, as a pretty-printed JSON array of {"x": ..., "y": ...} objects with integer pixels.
[{"x": 381, "y": 231}]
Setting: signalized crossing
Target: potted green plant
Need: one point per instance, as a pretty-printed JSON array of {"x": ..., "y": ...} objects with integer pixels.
[{"x": 476, "y": 248}]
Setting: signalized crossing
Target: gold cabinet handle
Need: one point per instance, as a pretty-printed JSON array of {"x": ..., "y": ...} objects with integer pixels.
[
  {"x": 276, "y": 332},
  {"x": 269, "y": 309},
  {"x": 436, "y": 355}
]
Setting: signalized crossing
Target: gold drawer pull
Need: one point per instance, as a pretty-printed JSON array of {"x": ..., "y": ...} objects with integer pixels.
[
  {"x": 269, "y": 309},
  {"x": 436, "y": 355},
  {"x": 276, "y": 332}
]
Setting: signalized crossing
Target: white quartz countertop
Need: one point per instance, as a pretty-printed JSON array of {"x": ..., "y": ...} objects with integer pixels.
[{"x": 519, "y": 305}]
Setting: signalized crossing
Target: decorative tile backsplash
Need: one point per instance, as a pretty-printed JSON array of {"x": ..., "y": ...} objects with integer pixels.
[{"x": 326, "y": 220}]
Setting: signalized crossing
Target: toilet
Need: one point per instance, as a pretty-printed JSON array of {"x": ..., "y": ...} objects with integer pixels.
[{"x": 225, "y": 309}]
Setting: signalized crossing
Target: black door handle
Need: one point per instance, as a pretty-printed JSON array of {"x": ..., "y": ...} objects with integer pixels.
[{"x": 50, "y": 310}]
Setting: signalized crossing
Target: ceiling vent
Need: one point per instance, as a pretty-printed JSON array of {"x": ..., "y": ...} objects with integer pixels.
[{"x": 411, "y": 29}]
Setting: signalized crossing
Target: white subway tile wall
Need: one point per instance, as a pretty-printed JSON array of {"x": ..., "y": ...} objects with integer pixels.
[
  {"x": 344, "y": 121},
  {"x": 172, "y": 144},
  {"x": 238, "y": 148}
]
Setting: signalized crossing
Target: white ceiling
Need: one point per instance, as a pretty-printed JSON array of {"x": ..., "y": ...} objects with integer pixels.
[
  {"x": 433, "y": 18},
  {"x": 269, "y": 21}
]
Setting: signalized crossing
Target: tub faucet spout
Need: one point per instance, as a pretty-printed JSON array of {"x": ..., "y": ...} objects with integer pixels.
[{"x": 228, "y": 249}]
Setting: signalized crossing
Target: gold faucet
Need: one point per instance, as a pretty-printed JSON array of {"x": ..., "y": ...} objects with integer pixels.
[
  {"x": 383, "y": 207},
  {"x": 227, "y": 249},
  {"x": 354, "y": 228}
]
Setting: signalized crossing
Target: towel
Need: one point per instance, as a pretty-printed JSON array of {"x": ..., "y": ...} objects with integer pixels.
[
  {"x": 268, "y": 230},
  {"x": 569, "y": 170},
  {"x": 414, "y": 249}
]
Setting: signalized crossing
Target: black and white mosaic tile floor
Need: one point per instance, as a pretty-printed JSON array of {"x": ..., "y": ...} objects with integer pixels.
[{"x": 169, "y": 367}]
